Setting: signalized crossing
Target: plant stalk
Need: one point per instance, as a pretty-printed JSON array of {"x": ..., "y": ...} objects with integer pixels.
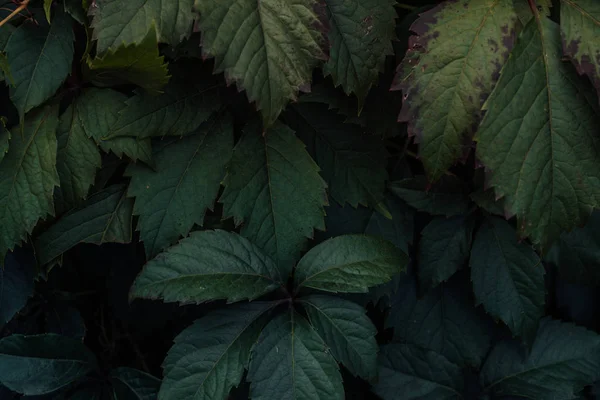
[{"x": 17, "y": 10}]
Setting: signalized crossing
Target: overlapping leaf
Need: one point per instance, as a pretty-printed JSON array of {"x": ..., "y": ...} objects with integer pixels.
[
  {"x": 539, "y": 137},
  {"x": 446, "y": 197},
  {"x": 16, "y": 283},
  {"x": 129, "y": 383},
  {"x": 268, "y": 47},
  {"x": 450, "y": 68}
]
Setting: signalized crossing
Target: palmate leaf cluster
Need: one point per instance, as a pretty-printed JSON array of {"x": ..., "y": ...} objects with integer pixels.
[{"x": 327, "y": 196}]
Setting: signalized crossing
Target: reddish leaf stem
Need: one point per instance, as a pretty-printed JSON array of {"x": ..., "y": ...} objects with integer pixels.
[
  {"x": 533, "y": 6},
  {"x": 17, "y": 10}
]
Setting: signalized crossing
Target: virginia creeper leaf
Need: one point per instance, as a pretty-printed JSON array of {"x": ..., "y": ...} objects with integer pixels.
[
  {"x": 76, "y": 9},
  {"x": 274, "y": 188},
  {"x": 445, "y": 197},
  {"x": 139, "y": 64},
  {"x": 347, "y": 331},
  {"x": 208, "y": 265},
  {"x": 40, "y": 58},
  {"x": 129, "y": 383},
  {"x": 352, "y": 163},
  {"x": 16, "y": 283},
  {"x": 350, "y": 263},
  {"x": 408, "y": 372},
  {"x": 486, "y": 199},
  {"x": 104, "y": 218},
  {"x": 450, "y": 68},
  {"x": 360, "y": 34},
  {"x": 563, "y": 359},
  {"x": 27, "y": 178},
  {"x": 210, "y": 356},
  {"x": 508, "y": 277},
  {"x": 290, "y": 361},
  {"x": 40, "y": 364},
  {"x": 580, "y": 28},
  {"x": 443, "y": 249},
  {"x": 184, "y": 183},
  {"x": 116, "y": 22},
  {"x": 538, "y": 138},
  {"x": 253, "y": 44}
]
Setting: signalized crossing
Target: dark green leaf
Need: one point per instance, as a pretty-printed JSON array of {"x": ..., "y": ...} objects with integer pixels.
[
  {"x": 487, "y": 200},
  {"x": 16, "y": 283},
  {"x": 446, "y": 197},
  {"x": 131, "y": 384}
]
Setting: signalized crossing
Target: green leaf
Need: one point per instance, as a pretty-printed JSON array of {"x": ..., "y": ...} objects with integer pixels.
[
  {"x": 274, "y": 188},
  {"x": 40, "y": 364},
  {"x": 47, "y": 6},
  {"x": 131, "y": 384},
  {"x": 577, "y": 253},
  {"x": 361, "y": 34},
  {"x": 253, "y": 44},
  {"x": 16, "y": 283},
  {"x": 409, "y": 373},
  {"x": 104, "y": 218},
  {"x": 77, "y": 159},
  {"x": 181, "y": 109},
  {"x": 208, "y": 265},
  {"x": 450, "y": 68},
  {"x": 508, "y": 277},
  {"x": 538, "y": 138},
  {"x": 350, "y": 263},
  {"x": 210, "y": 356},
  {"x": 580, "y": 28},
  {"x": 523, "y": 9},
  {"x": 290, "y": 361},
  {"x": 443, "y": 249},
  {"x": 443, "y": 320},
  {"x": 487, "y": 200},
  {"x": 116, "y": 22},
  {"x": 184, "y": 183},
  {"x": 40, "y": 59},
  {"x": 140, "y": 64},
  {"x": 347, "y": 331},
  {"x": 446, "y": 197},
  {"x": 27, "y": 178},
  {"x": 96, "y": 112},
  {"x": 75, "y": 8},
  {"x": 352, "y": 163},
  {"x": 563, "y": 359}
]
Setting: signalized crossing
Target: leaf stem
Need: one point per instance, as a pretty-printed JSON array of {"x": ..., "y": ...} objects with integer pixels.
[
  {"x": 17, "y": 10},
  {"x": 533, "y": 7}
]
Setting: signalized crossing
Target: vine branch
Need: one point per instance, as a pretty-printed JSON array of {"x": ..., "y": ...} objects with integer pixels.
[{"x": 16, "y": 11}]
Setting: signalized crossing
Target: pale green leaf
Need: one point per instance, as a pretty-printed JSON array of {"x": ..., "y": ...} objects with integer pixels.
[
  {"x": 210, "y": 356},
  {"x": 450, "y": 68},
  {"x": 208, "y": 265},
  {"x": 139, "y": 63},
  {"x": 40, "y": 58},
  {"x": 291, "y": 362},
  {"x": 360, "y": 34},
  {"x": 350, "y": 263},
  {"x": 508, "y": 277},
  {"x": 268, "y": 47},
  {"x": 27, "y": 178},
  {"x": 347, "y": 331},
  {"x": 274, "y": 188},
  {"x": 539, "y": 138},
  {"x": 563, "y": 359},
  {"x": 184, "y": 183},
  {"x": 445, "y": 197},
  {"x": 104, "y": 218},
  {"x": 352, "y": 163},
  {"x": 47, "y": 11},
  {"x": 116, "y": 22},
  {"x": 16, "y": 283},
  {"x": 407, "y": 372},
  {"x": 131, "y": 384},
  {"x": 40, "y": 364}
]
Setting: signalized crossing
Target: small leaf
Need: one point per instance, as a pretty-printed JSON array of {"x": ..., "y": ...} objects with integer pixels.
[
  {"x": 209, "y": 357},
  {"x": 129, "y": 383},
  {"x": 27, "y": 178},
  {"x": 208, "y": 265},
  {"x": 16, "y": 283},
  {"x": 252, "y": 43},
  {"x": 443, "y": 249},
  {"x": 446, "y": 197},
  {"x": 347, "y": 331},
  {"x": 40, "y": 59},
  {"x": 104, "y": 218},
  {"x": 4, "y": 140},
  {"x": 47, "y": 6},
  {"x": 139, "y": 64},
  {"x": 75, "y": 8},
  {"x": 508, "y": 278},
  {"x": 116, "y": 22},
  {"x": 290, "y": 361},
  {"x": 350, "y": 263},
  {"x": 40, "y": 364},
  {"x": 184, "y": 183},
  {"x": 563, "y": 359},
  {"x": 274, "y": 188},
  {"x": 409, "y": 373}
]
